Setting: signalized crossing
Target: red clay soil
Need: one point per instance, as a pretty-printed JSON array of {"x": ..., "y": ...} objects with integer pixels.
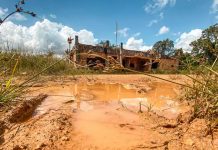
[{"x": 98, "y": 125}]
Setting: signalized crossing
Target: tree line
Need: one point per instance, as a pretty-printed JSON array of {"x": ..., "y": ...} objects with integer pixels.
[{"x": 204, "y": 49}]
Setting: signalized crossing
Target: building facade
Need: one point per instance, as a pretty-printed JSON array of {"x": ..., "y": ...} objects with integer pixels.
[{"x": 89, "y": 55}]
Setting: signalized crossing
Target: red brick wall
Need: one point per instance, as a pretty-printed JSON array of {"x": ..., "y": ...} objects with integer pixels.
[{"x": 168, "y": 64}]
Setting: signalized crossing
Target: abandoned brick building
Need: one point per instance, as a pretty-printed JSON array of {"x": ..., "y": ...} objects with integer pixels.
[{"x": 89, "y": 55}]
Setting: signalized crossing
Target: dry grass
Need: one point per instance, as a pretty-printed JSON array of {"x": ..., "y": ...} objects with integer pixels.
[
  {"x": 7, "y": 73},
  {"x": 204, "y": 93}
]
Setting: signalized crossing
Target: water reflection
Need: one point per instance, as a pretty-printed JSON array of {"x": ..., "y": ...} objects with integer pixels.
[{"x": 90, "y": 96}]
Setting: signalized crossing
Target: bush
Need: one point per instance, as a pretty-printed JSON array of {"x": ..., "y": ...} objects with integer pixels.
[{"x": 203, "y": 93}]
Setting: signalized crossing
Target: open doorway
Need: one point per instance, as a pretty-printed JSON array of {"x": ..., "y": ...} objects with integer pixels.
[
  {"x": 142, "y": 63},
  {"x": 154, "y": 65}
]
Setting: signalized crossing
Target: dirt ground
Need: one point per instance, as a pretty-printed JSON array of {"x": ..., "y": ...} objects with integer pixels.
[{"x": 101, "y": 112}]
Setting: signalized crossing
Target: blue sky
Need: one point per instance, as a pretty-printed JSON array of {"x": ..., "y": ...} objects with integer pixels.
[{"x": 138, "y": 19}]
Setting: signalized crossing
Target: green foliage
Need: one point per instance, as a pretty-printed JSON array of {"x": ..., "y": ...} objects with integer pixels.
[
  {"x": 206, "y": 48},
  {"x": 32, "y": 64},
  {"x": 7, "y": 72},
  {"x": 201, "y": 67},
  {"x": 178, "y": 53},
  {"x": 203, "y": 93},
  {"x": 165, "y": 47},
  {"x": 188, "y": 62}
]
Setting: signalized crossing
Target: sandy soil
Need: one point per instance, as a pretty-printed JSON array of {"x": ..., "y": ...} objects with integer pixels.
[{"x": 102, "y": 112}]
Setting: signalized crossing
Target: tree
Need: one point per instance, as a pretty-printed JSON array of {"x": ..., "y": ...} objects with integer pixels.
[
  {"x": 165, "y": 47},
  {"x": 18, "y": 9},
  {"x": 178, "y": 53},
  {"x": 207, "y": 46}
]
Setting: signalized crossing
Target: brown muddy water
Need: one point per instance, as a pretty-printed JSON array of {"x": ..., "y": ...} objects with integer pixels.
[
  {"x": 159, "y": 98},
  {"x": 106, "y": 115}
]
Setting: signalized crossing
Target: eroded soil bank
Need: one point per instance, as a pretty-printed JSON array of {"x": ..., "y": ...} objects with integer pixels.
[{"x": 103, "y": 112}]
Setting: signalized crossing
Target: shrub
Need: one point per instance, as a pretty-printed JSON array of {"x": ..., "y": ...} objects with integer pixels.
[{"x": 203, "y": 93}]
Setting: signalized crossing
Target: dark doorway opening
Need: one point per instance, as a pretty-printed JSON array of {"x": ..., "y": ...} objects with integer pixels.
[
  {"x": 154, "y": 65},
  {"x": 132, "y": 65},
  {"x": 142, "y": 65},
  {"x": 125, "y": 62}
]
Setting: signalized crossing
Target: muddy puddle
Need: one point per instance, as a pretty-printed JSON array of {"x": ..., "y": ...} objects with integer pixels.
[
  {"x": 159, "y": 98},
  {"x": 106, "y": 115}
]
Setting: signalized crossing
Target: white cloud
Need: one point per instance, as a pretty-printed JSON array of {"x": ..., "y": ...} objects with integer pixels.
[
  {"x": 123, "y": 32},
  {"x": 155, "y": 21},
  {"x": 136, "y": 44},
  {"x": 185, "y": 39},
  {"x": 157, "y": 5},
  {"x": 53, "y": 16},
  {"x": 163, "y": 30},
  {"x": 41, "y": 36},
  {"x": 137, "y": 34},
  {"x": 161, "y": 15},
  {"x": 177, "y": 34},
  {"x": 215, "y": 6},
  {"x": 3, "y": 12},
  {"x": 152, "y": 22}
]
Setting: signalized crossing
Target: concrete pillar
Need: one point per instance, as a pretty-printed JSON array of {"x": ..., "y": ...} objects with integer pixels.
[
  {"x": 150, "y": 65},
  {"x": 77, "y": 48},
  {"x": 106, "y": 46},
  {"x": 76, "y": 40},
  {"x": 75, "y": 53},
  {"x": 120, "y": 54}
]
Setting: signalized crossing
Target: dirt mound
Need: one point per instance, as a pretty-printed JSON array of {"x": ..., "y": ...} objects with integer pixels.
[
  {"x": 180, "y": 135},
  {"x": 197, "y": 135},
  {"x": 22, "y": 112},
  {"x": 49, "y": 131},
  {"x": 25, "y": 109}
]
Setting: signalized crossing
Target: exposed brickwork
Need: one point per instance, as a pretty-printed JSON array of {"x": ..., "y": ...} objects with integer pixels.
[{"x": 137, "y": 60}]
